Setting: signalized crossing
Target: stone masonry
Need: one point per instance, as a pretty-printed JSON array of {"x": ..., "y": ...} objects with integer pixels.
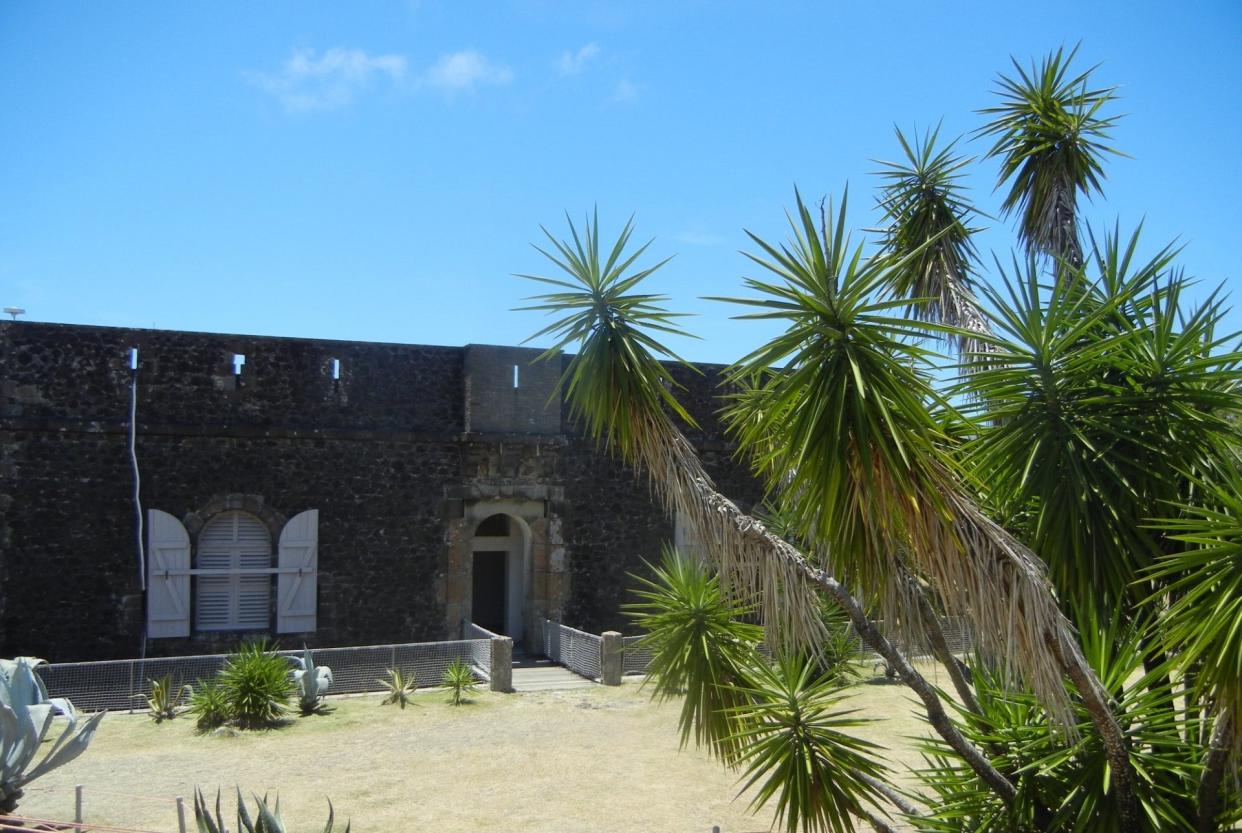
[{"x": 403, "y": 449}]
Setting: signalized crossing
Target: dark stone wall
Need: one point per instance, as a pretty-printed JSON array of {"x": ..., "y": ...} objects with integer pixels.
[{"x": 376, "y": 450}]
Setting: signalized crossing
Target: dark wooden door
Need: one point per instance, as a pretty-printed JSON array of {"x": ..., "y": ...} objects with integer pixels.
[{"x": 487, "y": 604}]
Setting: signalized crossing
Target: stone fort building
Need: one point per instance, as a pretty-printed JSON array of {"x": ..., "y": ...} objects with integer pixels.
[{"x": 320, "y": 492}]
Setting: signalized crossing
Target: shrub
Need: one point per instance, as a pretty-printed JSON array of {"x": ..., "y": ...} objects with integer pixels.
[
  {"x": 400, "y": 688},
  {"x": 210, "y": 705},
  {"x": 257, "y": 684},
  {"x": 459, "y": 680}
]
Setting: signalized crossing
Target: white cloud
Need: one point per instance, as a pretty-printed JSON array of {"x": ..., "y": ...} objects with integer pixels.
[
  {"x": 309, "y": 82},
  {"x": 463, "y": 71},
  {"x": 625, "y": 91},
  {"x": 696, "y": 237},
  {"x": 572, "y": 63}
]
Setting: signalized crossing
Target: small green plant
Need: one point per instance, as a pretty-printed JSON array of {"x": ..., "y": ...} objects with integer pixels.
[
  {"x": 311, "y": 682},
  {"x": 164, "y": 701},
  {"x": 400, "y": 687},
  {"x": 266, "y": 820},
  {"x": 459, "y": 680},
  {"x": 257, "y": 683},
  {"x": 209, "y": 703}
]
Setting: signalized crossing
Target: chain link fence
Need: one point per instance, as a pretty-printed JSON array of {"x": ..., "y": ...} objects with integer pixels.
[
  {"x": 120, "y": 685},
  {"x": 577, "y": 650},
  {"x": 956, "y": 633}
]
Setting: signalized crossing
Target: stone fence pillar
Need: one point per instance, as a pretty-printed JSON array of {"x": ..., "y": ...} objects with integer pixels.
[
  {"x": 502, "y": 663},
  {"x": 612, "y": 652}
]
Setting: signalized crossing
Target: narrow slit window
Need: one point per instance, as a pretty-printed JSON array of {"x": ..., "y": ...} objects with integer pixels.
[
  {"x": 239, "y": 361},
  {"x": 336, "y": 369},
  {"x": 515, "y": 376},
  {"x": 133, "y": 358}
]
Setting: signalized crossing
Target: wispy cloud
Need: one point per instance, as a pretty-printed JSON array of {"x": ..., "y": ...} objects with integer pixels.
[
  {"x": 463, "y": 71},
  {"x": 696, "y": 237},
  {"x": 309, "y": 82},
  {"x": 625, "y": 92},
  {"x": 572, "y": 63}
]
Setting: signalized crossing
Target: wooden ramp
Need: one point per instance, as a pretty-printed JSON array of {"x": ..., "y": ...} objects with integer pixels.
[{"x": 542, "y": 674}]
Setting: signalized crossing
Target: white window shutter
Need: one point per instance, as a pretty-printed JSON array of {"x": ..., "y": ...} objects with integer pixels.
[
  {"x": 168, "y": 580},
  {"x": 296, "y": 592}
]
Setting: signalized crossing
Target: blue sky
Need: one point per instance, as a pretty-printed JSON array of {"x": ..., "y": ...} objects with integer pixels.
[{"x": 377, "y": 171}]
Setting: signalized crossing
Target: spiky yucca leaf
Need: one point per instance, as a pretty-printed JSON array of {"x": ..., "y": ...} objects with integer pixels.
[
  {"x": 616, "y": 368},
  {"x": 1067, "y": 786},
  {"x": 1203, "y": 623},
  {"x": 797, "y": 751},
  {"x": 700, "y": 649}
]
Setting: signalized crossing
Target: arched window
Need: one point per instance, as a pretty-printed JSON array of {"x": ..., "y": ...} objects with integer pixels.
[
  {"x": 234, "y": 562},
  {"x": 231, "y": 585}
]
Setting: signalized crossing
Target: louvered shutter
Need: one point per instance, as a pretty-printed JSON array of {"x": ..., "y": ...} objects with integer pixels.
[
  {"x": 168, "y": 595},
  {"x": 237, "y": 546},
  {"x": 296, "y": 592}
]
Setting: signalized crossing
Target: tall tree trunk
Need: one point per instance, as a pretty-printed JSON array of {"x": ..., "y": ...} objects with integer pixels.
[
  {"x": 940, "y": 649},
  {"x": 1219, "y": 749},
  {"x": 1097, "y": 702},
  {"x": 753, "y": 530}
]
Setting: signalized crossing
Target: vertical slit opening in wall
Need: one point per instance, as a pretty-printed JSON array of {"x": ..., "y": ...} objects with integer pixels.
[
  {"x": 515, "y": 377},
  {"x": 336, "y": 370},
  {"x": 239, "y": 361}
]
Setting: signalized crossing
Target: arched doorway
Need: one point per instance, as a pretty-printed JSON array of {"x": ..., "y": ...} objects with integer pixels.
[{"x": 498, "y": 574}]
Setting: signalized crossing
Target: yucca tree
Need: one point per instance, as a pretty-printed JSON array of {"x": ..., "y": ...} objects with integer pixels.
[
  {"x": 623, "y": 395},
  {"x": 1050, "y": 137},
  {"x": 883, "y": 483},
  {"x": 1098, "y": 396},
  {"x": 927, "y": 220}
]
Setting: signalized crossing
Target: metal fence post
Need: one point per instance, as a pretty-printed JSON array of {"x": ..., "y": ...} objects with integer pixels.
[
  {"x": 77, "y": 804},
  {"x": 611, "y": 660},
  {"x": 180, "y": 814}
]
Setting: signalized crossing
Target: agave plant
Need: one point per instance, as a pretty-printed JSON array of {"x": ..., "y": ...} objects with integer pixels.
[
  {"x": 164, "y": 701},
  {"x": 266, "y": 820},
  {"x": 399, "y": 686},
  {"x": 459, "y": 680},
  {"x": 312, "y": 682},
  {"x": 26, "y": 715}
]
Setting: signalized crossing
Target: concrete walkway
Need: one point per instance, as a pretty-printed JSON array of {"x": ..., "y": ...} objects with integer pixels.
[{"x": 541, "y": 674}]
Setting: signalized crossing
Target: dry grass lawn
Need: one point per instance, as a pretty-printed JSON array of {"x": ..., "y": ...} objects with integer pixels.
[{"x": 599, "y": 760}]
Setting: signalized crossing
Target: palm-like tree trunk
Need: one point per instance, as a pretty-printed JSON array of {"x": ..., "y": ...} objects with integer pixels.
[{"x": 1220, "y": 748}]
